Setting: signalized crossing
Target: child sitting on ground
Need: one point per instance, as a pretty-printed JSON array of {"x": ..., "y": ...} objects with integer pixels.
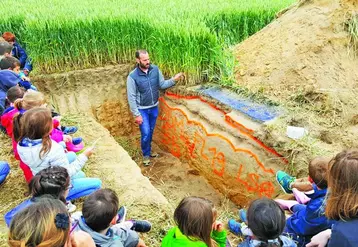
[
  {"x": 9, "y": 77},
  {"x": 99, "y": 219},
  {"x": 32, "y": 132},
  {"x": 32, "y": 99},
  {"x": 5, "y": 49},
  {"x": 266, "y": 220},
  {"x": 18, "y": 52},
  {"x": 54, "y": 181},
  {"x": 196, "y": 225},
  {"x": 45, "y": 223},
  {"x": 307, "y": 220}
]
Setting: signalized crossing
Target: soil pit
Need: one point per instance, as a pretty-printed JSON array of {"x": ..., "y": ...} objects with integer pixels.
[{"x": 176, "y": 180}]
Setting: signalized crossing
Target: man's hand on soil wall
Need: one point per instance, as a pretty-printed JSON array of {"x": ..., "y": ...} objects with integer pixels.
[{"x": 178, "y": 76}]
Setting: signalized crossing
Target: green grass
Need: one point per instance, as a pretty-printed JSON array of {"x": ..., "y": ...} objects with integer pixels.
[
  {"x": 353, "y": 31},
  {"x": 188, "y": 35}
]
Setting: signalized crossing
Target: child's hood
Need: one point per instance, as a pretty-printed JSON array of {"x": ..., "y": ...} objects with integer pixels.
[{"x": 100, "y": 239}]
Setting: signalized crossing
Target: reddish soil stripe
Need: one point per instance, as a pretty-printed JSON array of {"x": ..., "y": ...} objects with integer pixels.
[{"x": 240, "y": 127}]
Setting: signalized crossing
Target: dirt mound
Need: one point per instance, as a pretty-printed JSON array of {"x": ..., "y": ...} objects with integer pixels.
[{"x": 303, "y": 61}]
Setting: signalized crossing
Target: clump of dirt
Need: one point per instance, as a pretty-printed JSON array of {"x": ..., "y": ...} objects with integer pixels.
[{"x": 303, "y": 61}]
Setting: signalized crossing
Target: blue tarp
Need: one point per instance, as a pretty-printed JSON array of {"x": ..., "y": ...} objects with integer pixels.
[{"x": 258, "y": 112}]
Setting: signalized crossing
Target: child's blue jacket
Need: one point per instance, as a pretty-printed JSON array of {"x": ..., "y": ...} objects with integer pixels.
[{"x": 311, "y": 219}]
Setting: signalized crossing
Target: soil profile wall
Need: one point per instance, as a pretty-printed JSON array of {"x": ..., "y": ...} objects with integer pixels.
[{"x": 220, "y": 147}]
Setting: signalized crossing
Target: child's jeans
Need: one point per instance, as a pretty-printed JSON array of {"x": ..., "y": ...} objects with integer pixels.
[
  {"x": 83, "y": 187},
  {"x": 4, "y": 171},
  {"x": 147, "y": 128}
]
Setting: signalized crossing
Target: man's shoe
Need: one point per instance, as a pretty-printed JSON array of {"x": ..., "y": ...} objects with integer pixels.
[
  {"x": 235, "y": 227},
  {"x": 76, "y": 140},
  {"x": 122, "y": 212},
  {"x": 146, "y": 161},
  {"x": 285, "y": 181},
  {"x": 69, "y": 130},
  {"x": 154, "y": 155},
  {"x": 141, "y": 226}
]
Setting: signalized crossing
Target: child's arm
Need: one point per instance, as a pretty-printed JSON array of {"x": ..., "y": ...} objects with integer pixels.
[
  {"x": 219, "y": 234},
  {"x": 302, "y": 186},
  {"x": 59, "y": 158},
  {"x": 25, "y": 84}
]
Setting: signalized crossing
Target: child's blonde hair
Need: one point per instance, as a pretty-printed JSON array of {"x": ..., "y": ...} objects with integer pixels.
[
  {"x": 45, "y": 223},
  {"x": 30, "y": 100}
]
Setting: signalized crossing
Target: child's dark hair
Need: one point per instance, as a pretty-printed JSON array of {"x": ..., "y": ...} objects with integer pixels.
[
  {"x": 14, "y": 93},
  {"x": 100, "y": 208},
  {"x": 53, "y": 181},
  {"x": 5, "y": 47},
  {"x": 267, "y": 221},
  {"x": 318, "y": 171},
  {"x": 34, "y": 124},
  {"x": 9, "y": 63},
  {"x": 195, "y": 216}
]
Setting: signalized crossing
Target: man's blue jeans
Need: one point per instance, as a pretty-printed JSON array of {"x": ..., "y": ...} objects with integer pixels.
[{"x": 147, "y": 128}]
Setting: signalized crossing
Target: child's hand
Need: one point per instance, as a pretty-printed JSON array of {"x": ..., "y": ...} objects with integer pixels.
[
  {"x": 67, "y": 138},
  {"x": 25, "y": 78},
  {"x": 89, "y": 151},
  {"x": 141, "y": 243},
  {"x": 218, "y": 226}
]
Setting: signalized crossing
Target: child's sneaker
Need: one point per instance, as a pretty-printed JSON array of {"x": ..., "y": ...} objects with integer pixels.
[
  {"x": 146, "y": 161},
  {"x": 76, "y": 140},
  {"x": 235, "y": 227},
  {"x": 70, "y": 207},
  {"x": 285, "y": 181},
  {"x": 69, "y": 130},
  {"x": 122, "y": 212},
  {"x": 242, "y": 215},
  {"x": 141, "y": 225}
]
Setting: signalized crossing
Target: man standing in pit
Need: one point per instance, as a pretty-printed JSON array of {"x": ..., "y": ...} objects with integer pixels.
[{"x": 143, "y": 85}]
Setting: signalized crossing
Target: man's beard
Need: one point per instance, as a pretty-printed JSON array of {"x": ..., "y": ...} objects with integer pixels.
[{"x": 143, "y": 66}]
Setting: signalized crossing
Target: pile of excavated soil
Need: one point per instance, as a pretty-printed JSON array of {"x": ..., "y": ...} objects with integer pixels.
[{"x": 304, "y": 61}]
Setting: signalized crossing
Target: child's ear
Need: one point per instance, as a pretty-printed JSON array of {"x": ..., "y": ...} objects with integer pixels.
[{"x": 114, "y": 220}]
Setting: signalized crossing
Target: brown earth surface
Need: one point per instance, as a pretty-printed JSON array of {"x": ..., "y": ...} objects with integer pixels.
[{"x": 304, "y": 61}]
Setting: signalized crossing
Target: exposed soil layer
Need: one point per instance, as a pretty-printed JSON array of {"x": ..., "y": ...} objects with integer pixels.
[{"x": 100, "y": 92}]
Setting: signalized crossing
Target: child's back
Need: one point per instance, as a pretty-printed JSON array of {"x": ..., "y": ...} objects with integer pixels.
[
  {"x": 99, "y": 220},
  {"x": 196, "y": 225},
  {"x": 8, "y": 79},
  {"x": 282, "y": 241},
  {"x": 267, "y": 221},
  {"x": 311, "y": 219}
]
